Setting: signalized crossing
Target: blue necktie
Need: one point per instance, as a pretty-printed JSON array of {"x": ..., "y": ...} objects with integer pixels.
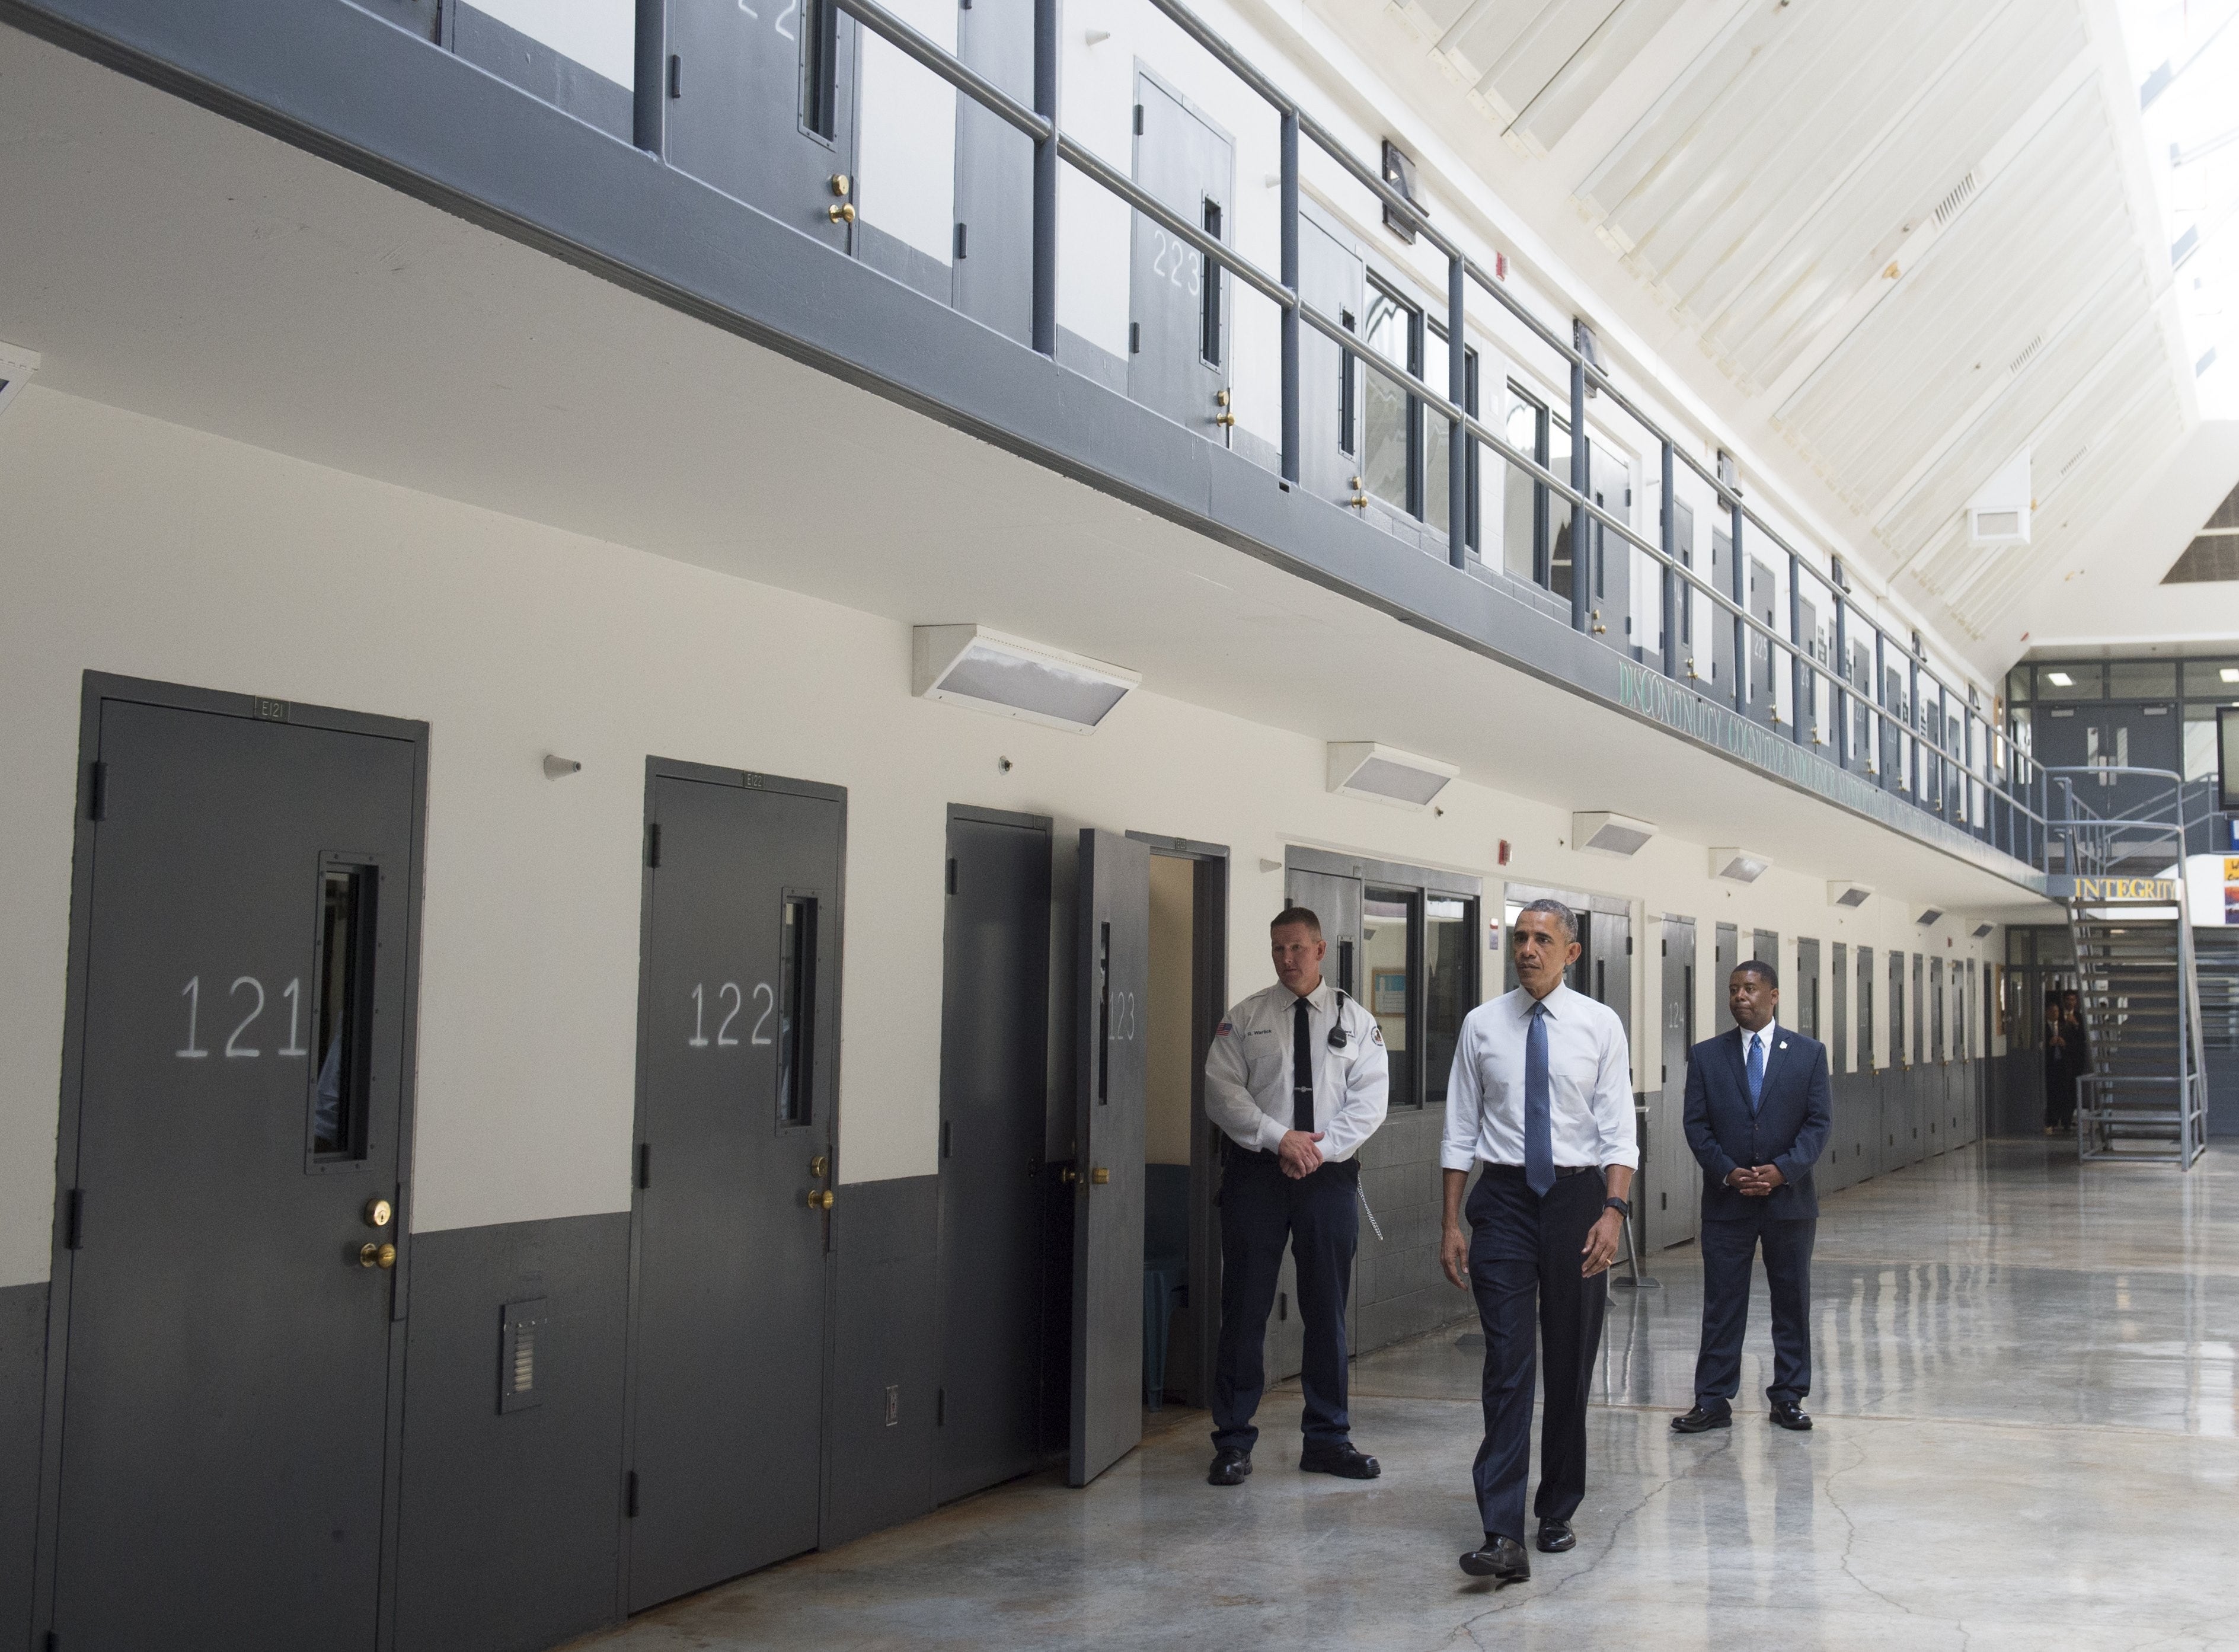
[
  {"x": 1756, "y": 1070},
  {"x": 1538, "y": 1134}
]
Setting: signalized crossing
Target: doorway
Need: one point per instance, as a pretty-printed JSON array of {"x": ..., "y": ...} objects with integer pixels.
[
  {"x": 1673, "y": 1194},
  {"x": 232, "y": 1252},
  {"x": 738, "y": 1046}
]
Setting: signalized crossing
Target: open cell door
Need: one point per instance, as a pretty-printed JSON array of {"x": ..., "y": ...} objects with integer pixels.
[{"x": 1107, "y": 1231}]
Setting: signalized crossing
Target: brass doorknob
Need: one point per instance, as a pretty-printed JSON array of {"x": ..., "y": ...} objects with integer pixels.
[
  {"x": 820, "y": 1198},
  {"x": 844, "y": 212},
  {"x": 370, "y": 1254},
  {"x": 377, "y": 1213},
  {"x": 1100, "y": 1176}
]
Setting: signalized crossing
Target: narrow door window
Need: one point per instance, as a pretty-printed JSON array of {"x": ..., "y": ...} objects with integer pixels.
[
  {"x": 342, "y": 997},
  {"x": 797, "y": 1017}
]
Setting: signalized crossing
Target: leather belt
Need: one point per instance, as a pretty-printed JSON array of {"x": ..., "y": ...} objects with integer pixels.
[{"x": 1560, "y": 1170}]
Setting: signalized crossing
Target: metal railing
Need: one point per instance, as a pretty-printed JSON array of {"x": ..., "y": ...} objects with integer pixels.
[{"x": 1978, "y": 781}]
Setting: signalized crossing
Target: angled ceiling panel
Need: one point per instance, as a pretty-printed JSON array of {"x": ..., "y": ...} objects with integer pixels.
[
  {"x": 1511, "y": 49},
  {"x": 1608, "y": 52}
]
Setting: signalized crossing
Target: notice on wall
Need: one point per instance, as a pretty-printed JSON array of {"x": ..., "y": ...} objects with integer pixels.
[{"x": 2231, "y": 889}]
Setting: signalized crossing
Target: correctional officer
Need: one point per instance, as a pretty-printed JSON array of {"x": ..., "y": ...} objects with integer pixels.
[
  {"x": 1541, "y": 1094},
  {"x": 1296, "y": 1080}
]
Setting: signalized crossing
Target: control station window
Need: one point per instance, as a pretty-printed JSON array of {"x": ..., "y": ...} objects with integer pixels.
[{"x": 1388, "y": 924}]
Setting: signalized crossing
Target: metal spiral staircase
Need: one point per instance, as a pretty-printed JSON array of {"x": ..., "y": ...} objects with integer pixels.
[{"x": 2144, "y": 1092}]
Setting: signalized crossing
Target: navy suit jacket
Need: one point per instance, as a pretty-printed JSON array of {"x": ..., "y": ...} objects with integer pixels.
[{"x": 1789, "y": 1129}]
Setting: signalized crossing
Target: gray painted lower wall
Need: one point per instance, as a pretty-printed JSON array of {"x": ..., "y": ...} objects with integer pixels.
[
  {"x": 510, "y": 1526},
  {"x": 887, "y": 1336},
  {"x": 23, "y": 1378}
]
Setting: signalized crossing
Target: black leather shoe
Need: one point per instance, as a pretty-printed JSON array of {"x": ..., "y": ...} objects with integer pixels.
[
  {"x": 1502, "y": 1559},
  {"x": 1701, "y": 1420},
  {"x": 1341, "y": 1459},
  {"x": 1229, "y": 1468},
  {"x": 1789, "y": 1414},
  {"x": 1555, "y": 1536}
]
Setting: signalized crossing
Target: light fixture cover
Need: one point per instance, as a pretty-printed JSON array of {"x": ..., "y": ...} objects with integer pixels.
[
  {"x": 1607, "y": 833},
  {"x": 1739, "y": 865},
  {"x": 1929, "y": 915},
  {"x": 969, "y": 665},
  {"x": 1983, "y": 929},
  {"x": 1385, "y": 774},
  {"x": 1841, "y": 891},
  {"x": 1999, "y": 514},
  {"x": 17, "y": 367}
]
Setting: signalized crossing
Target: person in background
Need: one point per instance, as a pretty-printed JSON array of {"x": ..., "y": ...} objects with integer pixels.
[{"x": 2059, "y": 1078}]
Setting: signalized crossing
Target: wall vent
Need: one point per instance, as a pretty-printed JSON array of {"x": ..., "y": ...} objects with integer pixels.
[
  {"x": 520, "y": 1375},
  {"x": 2028, "y": 350},
  {"x": 1383, "y": 775},
  {"x": 1948, "y": 208}
]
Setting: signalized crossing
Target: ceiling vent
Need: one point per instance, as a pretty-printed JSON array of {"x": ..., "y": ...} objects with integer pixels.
[
  {"x": 1841, "y": 891},
  {"x": 1364, "y": 769},
  {"x": 1999, "y": 514},
  {"x": 969, "y": 665},
  {"x": 1929, "y": 917},
  {"x": 1739, "y": 865},
  {"x": 1983, "y": 929},
  {"x": 17, "y": 367},
  {"x": 1948, "y": 208},
  {"x": 1612, "y": 834},
  {"x": 2028, "y": 352}
]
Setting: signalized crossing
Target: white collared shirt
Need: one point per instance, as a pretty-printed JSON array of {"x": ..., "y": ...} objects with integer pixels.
[
  {"x": 1770, "y": 1032},
  {"x": 1588, "y": 1076},
  {"x": 1247, "y": 1072}
]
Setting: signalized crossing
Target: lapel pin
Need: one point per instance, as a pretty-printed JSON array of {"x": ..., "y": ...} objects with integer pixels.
[{"x": 1784, "y": 1043}]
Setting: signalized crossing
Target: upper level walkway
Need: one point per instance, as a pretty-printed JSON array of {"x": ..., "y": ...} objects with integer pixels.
[{"x": 2028, "y": 1432}]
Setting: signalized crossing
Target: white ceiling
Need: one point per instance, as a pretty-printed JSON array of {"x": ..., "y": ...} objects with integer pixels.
[
  {"x": 1914, "y": 237},
  {"x": 195, "y": 271}
]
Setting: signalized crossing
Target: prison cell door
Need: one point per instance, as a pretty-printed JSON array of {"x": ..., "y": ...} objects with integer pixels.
[
  {"x": 1333, "y": 278},
  {"x": 1722, "y": 621},
  {"x": 761, "y": 105},
  {"x": 228, "y": 1315},
  {"x": 1764, "y": 687},
  {"x": 1674, "y": 1178},
  {"x": 739, "y": 1033},
  {"x": 1612, "y": 570},
  {"x": 991, "y": 275},
  {"x": 1110, "y": 1075},
  {"x": 1177, "y": 327}
]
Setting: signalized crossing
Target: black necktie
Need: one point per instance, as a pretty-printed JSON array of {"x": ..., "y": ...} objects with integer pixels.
[{"x": 1302, "y": 1071}]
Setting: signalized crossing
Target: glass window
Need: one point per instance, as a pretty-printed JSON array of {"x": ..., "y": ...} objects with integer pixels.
[
  {"x": 1449, "y": 985},
  {"x": 2024, "y": 736},
  {"x": 1558, "y": 510},
  {"x": 1865, "y": 1009},
  {"x": 2071, "y": 679},
  {"x": 1520, "y": 493},
  {"x": 2141, "y": 680},
  {"x": 1387, "y": 920},
  {"x": 1209, "y": 277},
  {"x": 2199, "y": 741},
  {"x": 2218, "y": 678},
  {"x": 1386, "y": 461},
  {"x": 341, "y": 1004},
  {"x": 796, "y": 1009},
  {"x": 1683, "y": 540},
  {"x": 1896, "y": 1007},
  {"x": 2018, "y": 683},
  {"x": 1437, "y": 438}
]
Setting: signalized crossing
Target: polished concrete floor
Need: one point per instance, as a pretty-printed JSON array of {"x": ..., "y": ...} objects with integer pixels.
[{"x": 2026, "y": 1409}]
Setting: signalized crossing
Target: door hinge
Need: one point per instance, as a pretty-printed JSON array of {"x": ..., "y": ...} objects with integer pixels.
[
  {"x": 96, "y": 792},
  {"x": 1134, "y": 338},
  {"x": 675, "y": 76},
  {"x": 630, "y": 1494},
  {"x": 1628, "y": 946},
  {"x": 645, "y": 1164},
  {"x": 959, "y": 241},
  {"x": 1139, "y": 120},
  {"x": 944, "y": 1138},
  {"x": 940, "y": 1407},
  {"x": 952, "y": 874},
  {"x": 74, "y": 1222},
  {"x": 653, "y": 843}
]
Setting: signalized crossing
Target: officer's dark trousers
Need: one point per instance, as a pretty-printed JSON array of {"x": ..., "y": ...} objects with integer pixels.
[
  {"x": 1260, "y": 1207},
  {"x": 1524, "y": 1258},
  {"x": 1729, "y": 1244}
]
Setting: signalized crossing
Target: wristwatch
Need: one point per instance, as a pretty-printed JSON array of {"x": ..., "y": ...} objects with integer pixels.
[{"x": 1623, "y": 1207}]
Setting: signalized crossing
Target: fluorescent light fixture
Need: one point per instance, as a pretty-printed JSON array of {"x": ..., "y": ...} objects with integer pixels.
[
  {"x": 2230, "y": 673},
  {"x": 1983, "y": 929},
  {"x": 1841, "y": 891},
  {"x": 2060, "y": 680},
  {"x": 1385, "y": 774},
  {"x": 1739, "y": 865},
  {"x": 1929, "y": 915},
  {"x": 1607, "y": 833},
  {"x": 969, "y": 665},
  {"x": 17, "y": 367},
  {"x": 1999, "y": 514}
]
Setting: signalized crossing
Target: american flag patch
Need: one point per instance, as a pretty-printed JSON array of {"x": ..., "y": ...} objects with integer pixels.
[{"x": 1224, "y": 1029}]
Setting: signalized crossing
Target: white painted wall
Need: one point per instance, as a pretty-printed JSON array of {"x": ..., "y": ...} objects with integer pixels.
[
  {"x": 906, "y": 155},
  {"x": 601, "y": 35},
  {"x": 144, "y": 549}
]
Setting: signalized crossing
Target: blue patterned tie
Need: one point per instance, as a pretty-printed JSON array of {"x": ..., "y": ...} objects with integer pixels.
[
  {"x": 1756, "y": 1070},
  {"x": 1538, "y": 1133}
]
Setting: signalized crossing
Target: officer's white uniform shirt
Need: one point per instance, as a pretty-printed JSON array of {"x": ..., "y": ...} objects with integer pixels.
[
  {"x": 1589, "y": 1083},
  {"x": 1248, "y": 1072}
]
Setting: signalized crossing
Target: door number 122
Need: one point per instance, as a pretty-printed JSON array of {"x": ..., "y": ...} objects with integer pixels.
[{"x": 762, "y": 994}]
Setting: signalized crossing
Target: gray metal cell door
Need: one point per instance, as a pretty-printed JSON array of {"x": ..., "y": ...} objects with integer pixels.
[
  {"x": 1763, "y": 689},
  {"x": 232, "y": 1341},
  {"x": 1110, "y": 1079},
  {"x": 1610, "y": 965},
  {"x": 1800, "y": 1006},
  {"x": 994, "y": 1044},
  {"x": 761, "y": 105},
  {"x": 738, "y": 1046},
  {"x": 1333, "y": 278},
  {"x": 1722, "y": 620},
  {"x": 1673, "y": 1175},
  {"x": 1336, "y": 900},
  {"x": 1725, "y": 953},
  {"x": 1178, "y": 302},
  {"x": 1612, "y": 570},
  {"x": 991, "y": 275}
]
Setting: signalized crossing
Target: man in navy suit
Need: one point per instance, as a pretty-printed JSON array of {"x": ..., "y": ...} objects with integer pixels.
[{"x": 1757, "y": 1115}]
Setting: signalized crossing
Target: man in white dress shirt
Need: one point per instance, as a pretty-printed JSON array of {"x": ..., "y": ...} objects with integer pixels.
[
  {"x": 1296, "y": 1079},
  {"x": 1541, "y": 1095}
]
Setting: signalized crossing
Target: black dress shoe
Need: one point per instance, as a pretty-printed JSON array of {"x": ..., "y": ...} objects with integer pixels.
[
  {"x": 1702, "y": 1419},
  {"x": 1229, "y": 1468},
  {"x": 1789, "y": 1414},
  {"x": 1502, "y": 1559},
  {"x": 1342, "y": 1459},
  {"x": 1555, "y": 1536}
]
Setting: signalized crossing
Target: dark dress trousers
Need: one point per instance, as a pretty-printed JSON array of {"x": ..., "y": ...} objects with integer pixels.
[{"x": 1787, "y": 1129}]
